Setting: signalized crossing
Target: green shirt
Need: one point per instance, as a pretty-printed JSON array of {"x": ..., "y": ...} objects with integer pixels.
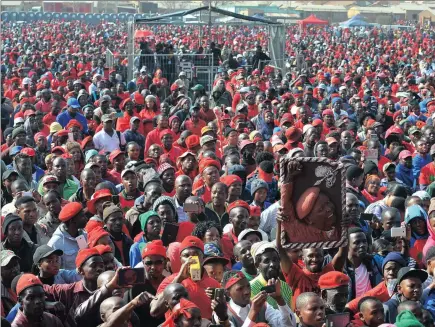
[
  {"x": 69, "y": 189},
  {"x": 258, "y": 282},
  {"x": 248, "y": 276}
]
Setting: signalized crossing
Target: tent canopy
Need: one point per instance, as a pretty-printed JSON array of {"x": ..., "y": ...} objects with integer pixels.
[
  {"x": 357, "y": 20},
  {"x": 312, "y": 20}
]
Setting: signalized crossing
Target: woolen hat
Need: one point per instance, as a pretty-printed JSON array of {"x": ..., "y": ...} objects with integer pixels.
[
  {"x": 112, "y": 208},
  {"x": 144, "y": 217},
  {"x": 164, "y": 199},
  {"x": 353, "y": 171},
  {"x": 396, "y": 257},
  {"x": 18, "y": 130},
  {"x": 9, "y": 219},
  {"x": 257, "y": 184},
  {"x": 407, "y": 319}
]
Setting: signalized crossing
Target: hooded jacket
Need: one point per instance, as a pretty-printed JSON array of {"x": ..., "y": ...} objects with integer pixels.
[
  {"x": 417, "y": 241},
  {"x": 405, "y": 175}
]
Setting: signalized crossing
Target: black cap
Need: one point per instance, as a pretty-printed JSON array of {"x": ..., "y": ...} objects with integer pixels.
[
  {"x": 8, "y": 174},
  {"x": 407, "y": 272},
  {"x": 44, "y": 251},
  {"x": 9, "y": 219}
]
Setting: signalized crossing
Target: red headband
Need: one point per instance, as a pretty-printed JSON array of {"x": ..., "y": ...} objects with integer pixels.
[{"x": 178, "y": 310}]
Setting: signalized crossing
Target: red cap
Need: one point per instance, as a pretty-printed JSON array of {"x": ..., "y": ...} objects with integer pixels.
[
  {"x": 192, "y": 141},
  {"x": 69, "y": 211},
  {"x": 327, "y": 112},
  {"x": 29, "y": 151},
  {"x": 192, "y": 242},
  {"x": 230, "y": 179},
  {"x": 333, "y": 279},
  {"x": 114, "y": 154},
  {"x": 397, "y": 114},
  {"x": 286, "y": 118},
  {"x": 26, "y": 281},
  {"x": 85, "y": 254},
  {"x": 101, "y": 248},
  {"x": 208, "y": 162},
  {"x": 95, "y": 234},
  {"x": 255, "y": 211},
  {"x": 238, "y": 203},
  {"x": 404, "y": 154},
  {"x": 138, "y": 98},
  {"x": 154, "y": 248},
  {"x": 125, "y": 101},
  {"x": 293, "y": 134},
  {"x": 174, "y": 87}
]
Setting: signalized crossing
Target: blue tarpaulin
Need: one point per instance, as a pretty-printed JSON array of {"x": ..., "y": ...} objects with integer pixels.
[{"x": 354, "y": 21}]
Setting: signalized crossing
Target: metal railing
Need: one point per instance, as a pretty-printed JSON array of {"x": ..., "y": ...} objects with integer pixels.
[{"x": 199, "y": 68}]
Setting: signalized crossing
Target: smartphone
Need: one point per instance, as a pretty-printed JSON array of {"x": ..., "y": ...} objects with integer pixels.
[
  {"x": 191, "y": 207},
  {"x": 81, "y": 242},
  {"x": 131, "y": 276},
  {"x": 367, "y": 216},
  {"x": 219, "y": 293},
  {"x": 338, "y": 320},
  {"x": 169, "y": 233},
  {"x": 268, "y": 289},
  {"x": 27, "y": 193},
  {"x": 398, "y": 232}
]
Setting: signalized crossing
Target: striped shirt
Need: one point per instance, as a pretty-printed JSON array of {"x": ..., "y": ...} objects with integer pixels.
[{"x": 258, "y": 282}]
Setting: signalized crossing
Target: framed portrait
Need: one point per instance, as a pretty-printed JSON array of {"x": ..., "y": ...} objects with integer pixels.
[{"x": 313, "y": 199}]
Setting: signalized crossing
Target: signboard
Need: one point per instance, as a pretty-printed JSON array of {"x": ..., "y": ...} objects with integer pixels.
[{"x": 313, "y": 199}]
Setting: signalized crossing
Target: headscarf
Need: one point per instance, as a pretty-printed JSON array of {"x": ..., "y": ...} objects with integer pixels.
[{"x": 181, "y": 309}]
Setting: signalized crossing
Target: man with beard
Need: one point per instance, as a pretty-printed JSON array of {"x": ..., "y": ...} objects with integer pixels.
[
  {"x": 307, "y": 279},
  {"x": 311, "y": 137},
  {"x": 154, "y": 261},
  {"x": 72, "y": 113},
  {"x": 334, "y": 291},
  {"x": 242, "y": 253},
  {"x": 31, "y": 297},
  {"x": 267, "y": 261}
]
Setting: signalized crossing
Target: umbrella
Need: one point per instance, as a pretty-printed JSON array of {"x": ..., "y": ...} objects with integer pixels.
[{"x": 142, "y": 33}]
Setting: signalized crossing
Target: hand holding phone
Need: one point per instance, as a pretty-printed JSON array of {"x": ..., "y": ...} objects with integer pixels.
[{"x": 131, "y": 276}]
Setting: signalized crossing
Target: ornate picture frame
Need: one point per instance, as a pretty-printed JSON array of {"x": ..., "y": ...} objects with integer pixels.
[{"x": 313, "y": 199}]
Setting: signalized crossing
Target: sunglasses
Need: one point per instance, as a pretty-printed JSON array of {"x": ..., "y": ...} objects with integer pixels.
[{"x": 155, "y": 263}]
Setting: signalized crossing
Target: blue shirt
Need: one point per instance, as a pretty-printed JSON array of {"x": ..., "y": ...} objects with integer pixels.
[
  {"x": 64, "y": 118},
  {"x": 136, "y": 252}
]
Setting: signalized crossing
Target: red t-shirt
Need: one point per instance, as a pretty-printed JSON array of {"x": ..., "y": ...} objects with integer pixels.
[
  {"x": 196, "y": 291},
  {"x": 427, "y": 174},
  {"x": 302, "y": 280}
]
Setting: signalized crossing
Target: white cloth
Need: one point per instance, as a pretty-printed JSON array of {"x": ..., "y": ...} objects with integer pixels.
[
  {"x": 362, "y": 281},
  {"x": 182, "y": 216},
  {"x": 283, "y": 317},
  {"x": 268, "y": 218},
  {"x": 104, "y": 141}
]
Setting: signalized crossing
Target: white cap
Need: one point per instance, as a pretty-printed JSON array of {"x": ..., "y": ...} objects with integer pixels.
[
  {"x": 306, "y": 128},
  {"x": 247, "y": 231},
  {"x": 343, "y": 88}
]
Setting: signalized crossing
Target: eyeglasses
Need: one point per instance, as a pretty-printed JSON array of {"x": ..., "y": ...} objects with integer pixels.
[{"x": 155, "y": 263}]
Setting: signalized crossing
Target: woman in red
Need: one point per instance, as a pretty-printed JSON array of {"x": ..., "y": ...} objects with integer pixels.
[
  {"x": 371, "y": 188},
  {"x": 150, "y": 109},
  {"x": 159, "y": 80}
]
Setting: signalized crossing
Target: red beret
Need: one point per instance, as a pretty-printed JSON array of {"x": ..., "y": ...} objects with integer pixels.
[
  {"x": 138, "y": 98},
  {"x": 29, "y": 151},
  {"x": 333, "y": 279},
  {"x": 306, "y": 202},
  {"x": 26, "y": 281},
  {"x": 85, "y": 141},
  {"x": 238, "y": 203},
  {"x": 95, "y": 234},
  {"x": 208, "y": 162},
  {"x": 125, "y": 101},
  {"x": 255, "y": 211},
  {"x": 192, "y": 141},
  {"x": 327, "y": 112},
  {"x": 62, "y": 132},
  {"x": 69, "y": 211},
  {"x": 166, "y": 132},
  {"x": 71, "y": 123},
  {"x": 397, "y": 114},
  {"x": 230, "y": 179},
  {"x": 101, "y": 248},
  {"x": 154, "y": 248},
  {"x": 293, "y": 134},
  {"x": 317, "y": 122},
  {"x": 85, "y": 254},
  {"x": 335, "y": 80},
  {"x": 192, "y": 242},
  {"x": 58, "y": 148},
  {"x": 286, "y": 118}
]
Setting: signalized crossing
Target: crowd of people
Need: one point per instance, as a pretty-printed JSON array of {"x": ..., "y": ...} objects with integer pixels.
[{"x": 152, "y": 202}]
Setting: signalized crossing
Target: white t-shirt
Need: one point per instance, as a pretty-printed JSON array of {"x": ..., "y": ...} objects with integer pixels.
[{"x": 362, "y": 281}]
